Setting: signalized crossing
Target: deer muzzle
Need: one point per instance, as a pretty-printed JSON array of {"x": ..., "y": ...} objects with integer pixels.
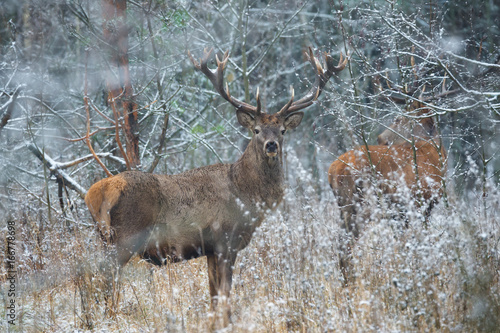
[{"x": 271, "y": 148}]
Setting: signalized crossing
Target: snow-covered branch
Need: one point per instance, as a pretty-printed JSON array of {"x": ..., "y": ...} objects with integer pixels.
[{"x": 56, "y": 170}]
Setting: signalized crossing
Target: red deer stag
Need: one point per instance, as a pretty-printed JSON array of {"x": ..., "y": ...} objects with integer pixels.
[
  {"x": 211, "y": 211},
  {"x": 409, "y": 154}
]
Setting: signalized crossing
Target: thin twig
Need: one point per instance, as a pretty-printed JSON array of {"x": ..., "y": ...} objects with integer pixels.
[
  {"x": 117, "y": 132},
  {"x": 87, "y": 136}
]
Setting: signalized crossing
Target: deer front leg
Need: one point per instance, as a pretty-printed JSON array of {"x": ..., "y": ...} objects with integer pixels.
[
  {"x": 220, "y": 275},
  {"x": 213, "y": 280},
  {"x": 116, "y": 256}
]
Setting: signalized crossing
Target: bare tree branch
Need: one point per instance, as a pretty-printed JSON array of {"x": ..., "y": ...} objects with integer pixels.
[
  {"x": 55, "y": 170},
  {"x": 10, "y": 108}
]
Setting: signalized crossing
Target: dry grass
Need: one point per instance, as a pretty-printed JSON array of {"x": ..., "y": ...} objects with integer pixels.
[{"x": 441, "y": 279}]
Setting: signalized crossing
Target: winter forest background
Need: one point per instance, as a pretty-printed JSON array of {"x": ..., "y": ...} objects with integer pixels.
[{"x": 60, "y": 64}]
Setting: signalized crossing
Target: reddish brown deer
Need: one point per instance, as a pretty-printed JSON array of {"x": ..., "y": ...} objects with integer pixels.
[
  {"x": 409, "y": 155},
  {"x": 211, "y": 211}
]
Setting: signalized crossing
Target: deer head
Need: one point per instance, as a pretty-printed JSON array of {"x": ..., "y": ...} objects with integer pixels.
[
  {"x": 417, "y": 123},
  {"x": 268, "y": 129}
]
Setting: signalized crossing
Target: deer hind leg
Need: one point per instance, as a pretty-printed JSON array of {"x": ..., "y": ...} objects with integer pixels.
[{"x": 213, "y": 280}]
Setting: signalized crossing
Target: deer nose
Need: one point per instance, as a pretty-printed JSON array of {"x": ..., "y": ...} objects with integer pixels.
[
  {"x": 380, "y": 140},
  {"x": 271, "y": 148}
]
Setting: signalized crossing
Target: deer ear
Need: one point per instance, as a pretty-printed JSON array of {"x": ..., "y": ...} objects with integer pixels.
[
  {"x": 245, "y": 119},
  {"x": 429, "y": 126},
  {"x": 293, "y": 120}
]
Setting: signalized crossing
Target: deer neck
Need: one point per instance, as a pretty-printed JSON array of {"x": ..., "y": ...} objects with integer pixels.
[{"x": 258, "y": 178}]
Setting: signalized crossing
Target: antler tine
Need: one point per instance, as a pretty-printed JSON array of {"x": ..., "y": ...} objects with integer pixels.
[
  {"x": 217, "y": 79},
  {"x": 206, "y": 56},
  {"x": 322, "y": 77},
  {"x": 443, "y": 86},
  {"x": 409, "y": 95},
  {"x": 287, "y": 105},
  {"x": 257, "y": 97},
  {"x": 202, "y": 65},
  {"x": 443, "y": 94},
  {"x": 409, "y": 91},
  {"x": 421, "y": 96},
  {"x": 402, "y": 91}
]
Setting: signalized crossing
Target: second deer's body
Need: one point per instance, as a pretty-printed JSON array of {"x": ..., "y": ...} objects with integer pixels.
[{"x": 410, "y": 155}]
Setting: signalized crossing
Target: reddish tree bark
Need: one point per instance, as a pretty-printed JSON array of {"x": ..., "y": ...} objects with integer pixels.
[{"x": 120, "y": 92}]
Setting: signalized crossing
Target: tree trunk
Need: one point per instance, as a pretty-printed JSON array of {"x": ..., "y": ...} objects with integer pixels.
[{"x": 120, "y": 92}]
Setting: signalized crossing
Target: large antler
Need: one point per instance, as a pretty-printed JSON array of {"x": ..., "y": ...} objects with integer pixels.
[
  {"x": 410, "y": 92},
  {"x": 322, "y": 77},
  {"x": 411, "y": 95},
  {"x": 217, "y": 79}
]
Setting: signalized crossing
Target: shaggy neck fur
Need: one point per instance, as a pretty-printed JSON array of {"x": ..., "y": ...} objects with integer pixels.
[{"x": 258, "y": 177}]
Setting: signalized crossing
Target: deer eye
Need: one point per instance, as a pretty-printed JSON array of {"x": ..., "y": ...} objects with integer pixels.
[
  {"x": 283, "y": 132},
  {"x": 256, "y": 131}
]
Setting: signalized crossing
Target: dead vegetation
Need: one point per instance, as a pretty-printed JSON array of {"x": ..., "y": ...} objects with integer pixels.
[{"x": 441, "y": 278}]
